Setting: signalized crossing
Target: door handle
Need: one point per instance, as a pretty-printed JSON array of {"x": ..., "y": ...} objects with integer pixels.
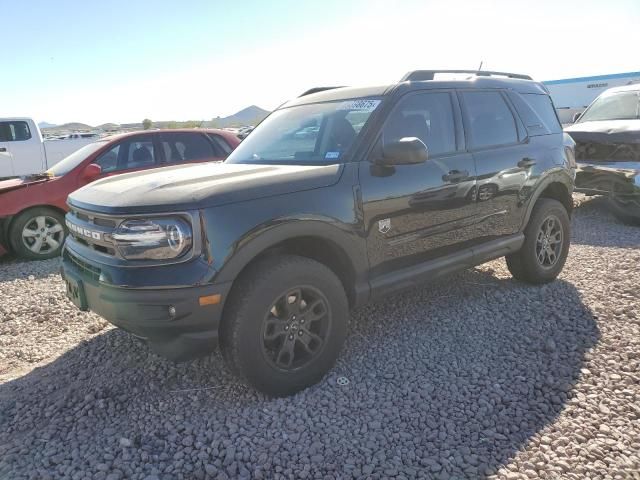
[
  {"x": 526, "y": 162},
  {"x": 455, "y": 176},
  {"x": 3, "y": 149}
]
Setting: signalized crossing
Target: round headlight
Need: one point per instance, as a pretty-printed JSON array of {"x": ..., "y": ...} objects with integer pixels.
[
  {"x": 153, "y": 238},
  {"x": 176, "y": 237}
]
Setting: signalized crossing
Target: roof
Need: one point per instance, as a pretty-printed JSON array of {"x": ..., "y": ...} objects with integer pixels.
[
  {"x": 118, "y": 136},
  {"x": 519, "y": 84}
]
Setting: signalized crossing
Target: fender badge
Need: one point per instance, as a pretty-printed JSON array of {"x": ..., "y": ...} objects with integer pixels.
[{"x": 384, "y": 225}]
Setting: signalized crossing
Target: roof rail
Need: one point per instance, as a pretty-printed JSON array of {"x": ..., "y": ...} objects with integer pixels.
[
  {"x": 318, "y": 89},
  {"x": 419, "y": 75}
]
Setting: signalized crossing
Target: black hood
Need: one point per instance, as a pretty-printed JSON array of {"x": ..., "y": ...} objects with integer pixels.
[
  {"x": 190, "y": 187},
  {"x": 610, "y": 140}
]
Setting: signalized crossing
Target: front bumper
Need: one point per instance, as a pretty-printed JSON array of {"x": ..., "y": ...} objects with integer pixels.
[
  {"x": 191, "y": 332},
  {"x": 602, "y": 178}
]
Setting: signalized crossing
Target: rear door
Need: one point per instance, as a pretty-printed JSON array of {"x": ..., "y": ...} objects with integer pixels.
[
  {"x": 6, "y": 159},
  {"x": 503, "y": 158}
]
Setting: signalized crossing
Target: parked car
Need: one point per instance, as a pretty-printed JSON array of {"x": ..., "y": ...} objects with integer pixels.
[
  {"x": 607, "y": 137},
  {"x": 24, "y": 152},
  {"x": 32, "y": 208},
  {"x": 245, "y": 131},
  {"x": 266, "y": 252}
]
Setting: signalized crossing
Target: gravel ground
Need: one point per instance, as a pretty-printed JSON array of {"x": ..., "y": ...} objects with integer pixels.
[{"x": 479, "y": 376}]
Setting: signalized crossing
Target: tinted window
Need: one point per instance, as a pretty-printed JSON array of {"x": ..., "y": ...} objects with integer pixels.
[
  {"x": 185, "y": 147},
  {"x": 140, "y": 154},
  {"x": 129, "y": 154},
  {"x": 427, "y": 116},
  {"x": 490, "y": 121},
  {"x": 108, "y": 161},
  {"x": 543, "y": 107},
  {"x": 220, "y": 144},
  {"x": 14, "y": 131}
]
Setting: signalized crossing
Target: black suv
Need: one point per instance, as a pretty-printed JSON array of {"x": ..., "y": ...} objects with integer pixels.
[{"x": 338, "y": 197}]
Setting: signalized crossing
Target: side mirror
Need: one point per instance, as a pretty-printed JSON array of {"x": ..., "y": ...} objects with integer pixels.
[
  {"x": 406, "y": 151},
  {"x": 91, "y": 172},
  {"x": 576, "y": 116}
]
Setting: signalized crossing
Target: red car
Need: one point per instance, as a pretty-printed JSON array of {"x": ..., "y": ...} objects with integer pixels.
[{"x": 32, "y": 208}]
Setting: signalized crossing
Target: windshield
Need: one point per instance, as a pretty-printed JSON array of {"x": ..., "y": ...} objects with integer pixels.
[
  {"x": 615, "y": 106},
  {"x": 67, "y": 164},
  {"x": 319, "y": 133}
]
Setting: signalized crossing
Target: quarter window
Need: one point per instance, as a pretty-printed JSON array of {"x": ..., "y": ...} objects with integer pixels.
[
  {"x": 186, "y": 147},
  {"x": 427, "y": 116},
  {"x": 490, "y": 120},
  {"x": 14, "y": 131}
]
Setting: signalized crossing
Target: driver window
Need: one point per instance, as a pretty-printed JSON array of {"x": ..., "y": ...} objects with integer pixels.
[
  {"x": 427, "y": 116},
  {"x": 108, "y": 161}
]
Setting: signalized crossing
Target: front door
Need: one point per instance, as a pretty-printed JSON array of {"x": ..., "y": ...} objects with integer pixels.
[{"x": 414, "y": 213}]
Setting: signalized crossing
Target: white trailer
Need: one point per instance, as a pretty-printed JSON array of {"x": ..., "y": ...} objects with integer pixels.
[
  {"x": 24, "y": 152},
  {"x": 574, "y": 95}
]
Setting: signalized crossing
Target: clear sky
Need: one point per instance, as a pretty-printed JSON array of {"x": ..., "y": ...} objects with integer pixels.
[{"x": 121, "y": 61}]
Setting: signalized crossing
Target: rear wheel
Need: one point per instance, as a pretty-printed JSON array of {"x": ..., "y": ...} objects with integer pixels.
[
  {"x": 285, "y": 324},
  {"x": 546, "y": 244},
  {"x": 37, "y": 233}
]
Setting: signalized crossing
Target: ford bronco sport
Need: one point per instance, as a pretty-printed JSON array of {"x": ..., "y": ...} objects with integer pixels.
[{"x": 266, "y": 253}]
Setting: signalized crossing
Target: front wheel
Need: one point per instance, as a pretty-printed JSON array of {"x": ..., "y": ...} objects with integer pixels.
[
  {"x": 546, "y": 244},
  {"x": 285, "y": 324},
  {"x": 37, "y": 233}
]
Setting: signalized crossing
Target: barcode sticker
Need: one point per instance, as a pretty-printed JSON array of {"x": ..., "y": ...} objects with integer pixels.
[{"x": 360, "y": 105}]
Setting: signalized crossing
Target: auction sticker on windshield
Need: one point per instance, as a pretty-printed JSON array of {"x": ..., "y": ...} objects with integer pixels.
[{"x": 360, "y": 105}]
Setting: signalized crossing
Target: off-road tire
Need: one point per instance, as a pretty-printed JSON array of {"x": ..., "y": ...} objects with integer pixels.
[
  {"x": 524, "y": 264},
  {"x": 246, "y": 311}
]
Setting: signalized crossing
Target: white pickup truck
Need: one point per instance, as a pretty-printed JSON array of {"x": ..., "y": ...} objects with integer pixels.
[{"x": 23, "y": 152}]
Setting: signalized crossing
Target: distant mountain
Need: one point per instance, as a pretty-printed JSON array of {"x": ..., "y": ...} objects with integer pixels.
[
  {"x": 73, "y": 126},
  {"x": 46, "y": 125},
  {"x": 108, "y": 127},
  {"x": 247, "y": 116}
]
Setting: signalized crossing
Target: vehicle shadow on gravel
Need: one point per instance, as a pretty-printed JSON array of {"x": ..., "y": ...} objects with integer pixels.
[{"x": 443, "y": 381}]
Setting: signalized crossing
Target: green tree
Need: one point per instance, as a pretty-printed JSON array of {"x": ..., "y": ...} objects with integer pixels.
[{"x": 147, "y": 124}]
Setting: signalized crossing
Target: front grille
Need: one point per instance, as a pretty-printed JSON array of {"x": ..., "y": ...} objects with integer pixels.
[
  {"x": 93, "y": 230},
  {"x": 86, "y": 268}
]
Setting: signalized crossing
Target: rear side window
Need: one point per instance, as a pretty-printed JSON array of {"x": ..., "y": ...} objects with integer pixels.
[
  {"x": 14, "y": 131},
  {"x": 489, "y": 119},
  {"x": 185, "y": 147},
  {"x": 220, "y": 144},
  {"x": 537, "y": 113}
]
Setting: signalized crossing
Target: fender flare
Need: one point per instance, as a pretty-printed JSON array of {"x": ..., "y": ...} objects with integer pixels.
[
  {"x": 259, "y": 240},
  {"x": 558, "y": 176}
]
